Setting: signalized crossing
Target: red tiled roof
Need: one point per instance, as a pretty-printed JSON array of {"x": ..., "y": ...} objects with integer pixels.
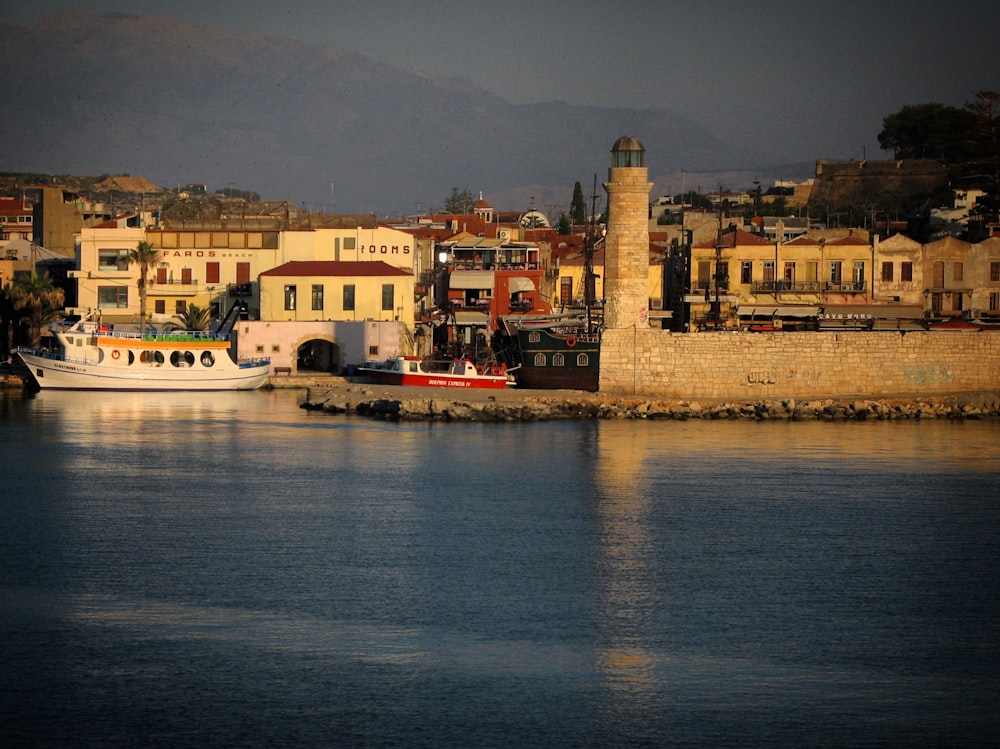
[
  {"x": 336, "y": 268},
  {"x": 849, "y": 240},
  {"x": 738, "y": 238}
]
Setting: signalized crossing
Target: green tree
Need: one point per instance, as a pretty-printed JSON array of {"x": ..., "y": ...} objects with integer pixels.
[
  {"x": 8, "y": 316},
  {"x": 460, "y": 201},
  {"x": 565, "y": 225},
  {"x": 927, "y": 131},
  {"x": 37, "y": 294},
  {"x": 145, "y": 256},
  {"x": 982, "y": 167},
  {"x": 578, "y": 208},
  {"x": 192, "y": 318}
]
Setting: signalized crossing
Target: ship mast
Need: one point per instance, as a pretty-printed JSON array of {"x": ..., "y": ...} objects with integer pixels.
[{"x": 588, "y": 257}]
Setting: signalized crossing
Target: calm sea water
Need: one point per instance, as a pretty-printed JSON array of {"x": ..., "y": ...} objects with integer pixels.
[{"x": 183, "y": 570}]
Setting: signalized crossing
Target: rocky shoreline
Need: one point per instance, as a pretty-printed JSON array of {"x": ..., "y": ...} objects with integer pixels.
[
  {"x": 528, "y": 406},
  {"x": 349, "y": 397}
]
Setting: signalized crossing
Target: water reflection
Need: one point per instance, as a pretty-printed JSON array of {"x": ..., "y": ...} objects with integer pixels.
[{"x": 625, "y": 567}]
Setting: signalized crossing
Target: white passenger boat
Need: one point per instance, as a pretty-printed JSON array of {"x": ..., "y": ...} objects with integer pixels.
[{"x": 94, "y": 356}]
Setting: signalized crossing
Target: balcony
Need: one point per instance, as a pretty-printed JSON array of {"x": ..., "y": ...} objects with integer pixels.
[
  {"x": 239, "y": 289},
  {"x": 807, "y": 287}
]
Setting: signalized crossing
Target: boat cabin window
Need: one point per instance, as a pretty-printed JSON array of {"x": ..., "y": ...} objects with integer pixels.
[
  {"x": 558, "y": 360},
  {"x": 539, "y": 360},
  {"x": 207, "y": 359},
  {"x": 582, "y": 360},
  {"x": 534, "y": 337},
  {"x": 182, "y": 359}
]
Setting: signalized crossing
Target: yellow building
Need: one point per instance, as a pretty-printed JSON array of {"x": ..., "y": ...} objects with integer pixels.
[
  {"x": 750, "y": 275},
  {"x": 899, "y": 271},
  {"x": 212, "y": 267},
  {"x": 332, "y": 290},
  {"x": 570, "y": 273},
  {"x": 107, "y": 284}
]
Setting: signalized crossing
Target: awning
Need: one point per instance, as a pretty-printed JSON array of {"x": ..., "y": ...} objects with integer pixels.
[
  {"x": 463, "y": 317},
  {"x": 767, "y": 311},
  {"x": 520, "y": 283},
  {"x": 472, "y": 279},
  {"x": 883, "y": 311}
]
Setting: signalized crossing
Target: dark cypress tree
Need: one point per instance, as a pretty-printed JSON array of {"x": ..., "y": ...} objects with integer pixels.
[{"x": 578, "y": 208}]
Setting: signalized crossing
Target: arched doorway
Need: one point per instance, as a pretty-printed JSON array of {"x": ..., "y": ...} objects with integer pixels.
[{"x": 318, "y": 355}]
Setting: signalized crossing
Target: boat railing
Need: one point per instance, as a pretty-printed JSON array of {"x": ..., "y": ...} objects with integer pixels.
[
  {"x": 255, "y": 362},
  {"x": 171, "y": 336}
]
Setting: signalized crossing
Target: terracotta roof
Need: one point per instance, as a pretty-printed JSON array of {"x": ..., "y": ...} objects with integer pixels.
[
  {"x": 334, "y": 268},
  {"x": 737, "y": 238},
  {"x": 850, "y": 240}
]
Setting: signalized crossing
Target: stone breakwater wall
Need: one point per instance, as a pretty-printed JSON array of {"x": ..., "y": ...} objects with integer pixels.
[
  {"x": 966, "y": 406},
  {"x": 774, "y": 365}
]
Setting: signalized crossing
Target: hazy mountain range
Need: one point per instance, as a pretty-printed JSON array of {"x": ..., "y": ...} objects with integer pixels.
[{"x": 321, "y": 126}]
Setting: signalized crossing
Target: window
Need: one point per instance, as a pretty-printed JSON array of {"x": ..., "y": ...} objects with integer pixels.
[
  {"x": 114, "y": 297},
  {"x": 789, "y": 276},
  {"x": 812, "y": 271},
  {"x": 858, "y": 275},
  {"x": 348, "y": 297},
  {"x": 242, "y": 273},
  {"x": 704, "y": 274},
  {"x": 186, "y": 276},
  {"x": 887, "y": 271},
  {"x": 746, "y": 271},
  {"x": 317, "y": 296},
  {"x": 180, "y": 307},
  {"x": 906, "y": 271},
  {"x": 995, "y": 301},
  {"x": 957, "y": 272},
  {"x": 836, "y": 273},
  {"x": 290, "y": 298},
  {"x": 565, "y": 290},
  {"x": 558, "y": 360},
  {"x": 768, "y": 271},
  {"x": 211, "y": 273},
  {"x": 112, "y": 259},
  {"x": 938, "y": 274},
  {"x": 994, "y": 271},
  {"x": 161, "y": 275},
  {"x": 582, "y": 360},
  {"x": 160, "y": 306},
  {"x": 539, "y": 360},
  {"x": 350, "y": 243},
  {"x": 388, "y": 296}
]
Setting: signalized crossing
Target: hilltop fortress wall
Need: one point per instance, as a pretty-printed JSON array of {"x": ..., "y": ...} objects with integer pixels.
[{"x": 747, "y": 366}]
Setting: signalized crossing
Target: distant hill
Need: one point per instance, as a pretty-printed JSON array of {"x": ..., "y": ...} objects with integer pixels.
[{"x": 323, "y": 126}]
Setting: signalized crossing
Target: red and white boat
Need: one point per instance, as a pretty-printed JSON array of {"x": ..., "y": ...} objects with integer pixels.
[{"x": 457, "y": 373}]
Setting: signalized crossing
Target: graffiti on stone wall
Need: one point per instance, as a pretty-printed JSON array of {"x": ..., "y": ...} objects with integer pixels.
[
  {"x": 930, "y": 374},
  {"x": 761, "y": 378}
]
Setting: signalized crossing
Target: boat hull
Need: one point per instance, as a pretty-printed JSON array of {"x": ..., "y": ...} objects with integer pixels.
[
  {"x": 60, "y": 374},
  {"x": 381, "y": 377},
  {"x": 411, "y": 371},
  {"x": 556, "y": 361}
]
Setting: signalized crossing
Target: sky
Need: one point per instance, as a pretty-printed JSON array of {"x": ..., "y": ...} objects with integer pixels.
[{"x": 798, "y": 80}]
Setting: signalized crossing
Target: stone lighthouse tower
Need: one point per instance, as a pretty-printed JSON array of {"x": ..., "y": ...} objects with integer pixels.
[{"x": 626, "y": 245}]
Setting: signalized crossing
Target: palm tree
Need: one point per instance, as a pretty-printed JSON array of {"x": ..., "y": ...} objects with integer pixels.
[
  {"x": 146, "y": 256},
  {"x": 40, "y": 297},
  {"x": 192, "y": 318}
]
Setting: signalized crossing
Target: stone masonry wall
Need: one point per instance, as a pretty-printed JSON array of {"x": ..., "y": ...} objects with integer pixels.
[{"x": 657, "y": 363}]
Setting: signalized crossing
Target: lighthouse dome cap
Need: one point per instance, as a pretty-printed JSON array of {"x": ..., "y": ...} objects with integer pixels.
[{"x": 627, "y": 143}]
